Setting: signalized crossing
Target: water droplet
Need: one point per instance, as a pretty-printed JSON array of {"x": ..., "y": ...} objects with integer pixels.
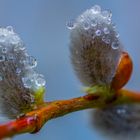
[
  {"x": 40, "y": 81},
  {"x": 107, "y": 41},
  {"x": 19, "y": 47},
  {"x": 28, "y": 82},
  {"x": 108, "y": 21},
  {"x": 16, "y": 48},
  {"x": 96, "y": 9},
  {"x": 22, "y": 47},
  {"x": 94, "y": 23},
  {"x": 29, "y": 62},
  {"x": 18, "y": 71},
  {"x": 2, "y": 38},
  {"x": 117, "y": 35},
  {"x": 32, "y": 61},
  {"x": 9, "y": 28},
  {"x": 4, "y": 50},
  {"x": 15, "y": 40},
  {"x": 103, "y": 38},
  {"x": 10, "y": 57},
  {"x": 114, "y": 26},
  {"x": 98, "y": 32},
  {"x": 86, "y": 25},
  {"x": 115, "y": 45},
  {"x": 107, "y": 14},
  {"x": 1, "y": 77},
  {"x": 106, "y": 30},
  {"x": 2, "y": 58},
  {"x": 81, "y": 18},
  {"x": 70, "y": 25}
]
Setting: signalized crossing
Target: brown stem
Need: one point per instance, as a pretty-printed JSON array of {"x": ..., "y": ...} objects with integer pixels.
[{"x": 33, "y": 121}]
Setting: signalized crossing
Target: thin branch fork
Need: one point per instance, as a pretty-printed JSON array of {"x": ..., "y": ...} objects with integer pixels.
[{"x": 34, "y": 120}]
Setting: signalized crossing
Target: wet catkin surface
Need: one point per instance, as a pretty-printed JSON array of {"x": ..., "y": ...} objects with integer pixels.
[
  {"x": 95, "y": 47},
  {"x": 18, "y": 79}
]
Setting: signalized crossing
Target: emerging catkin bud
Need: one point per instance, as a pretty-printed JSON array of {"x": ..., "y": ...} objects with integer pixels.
[
  {"x": 95, "y": 47},
  {"x": 21, "y": 87}
]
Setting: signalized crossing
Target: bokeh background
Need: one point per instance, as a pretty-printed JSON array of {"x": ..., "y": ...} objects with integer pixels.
[{"x": 42, "y": 26}]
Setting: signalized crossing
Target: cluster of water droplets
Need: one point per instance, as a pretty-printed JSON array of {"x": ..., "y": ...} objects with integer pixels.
[
  {"x": 13, "y": 50},
  {"x": 99, "y": 24}
]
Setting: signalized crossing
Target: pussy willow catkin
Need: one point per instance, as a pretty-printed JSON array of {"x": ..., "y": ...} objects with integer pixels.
[
  {"x": 120, "y": 122},
  {"x": 19, "y": 82},
  {"x": 95, "y": 47}
]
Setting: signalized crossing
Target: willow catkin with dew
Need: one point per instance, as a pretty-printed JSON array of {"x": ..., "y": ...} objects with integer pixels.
[
  {"x": 95, "y": 47},
  {"x": 18, "y": 79}
]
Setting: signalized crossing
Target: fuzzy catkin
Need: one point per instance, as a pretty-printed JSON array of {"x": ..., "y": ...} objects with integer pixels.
[
  {"x": 95, "y": 47},
  {"x": 118, "y": 122},
  {"x": 18, "y": 79}
]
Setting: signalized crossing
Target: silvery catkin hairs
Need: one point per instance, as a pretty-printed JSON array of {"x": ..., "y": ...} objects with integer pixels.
[
  {"x": 95, "y": 47},
  {"x": 18, "y": 79}
]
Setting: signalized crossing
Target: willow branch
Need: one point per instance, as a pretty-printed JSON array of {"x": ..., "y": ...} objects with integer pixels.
[{"x": 33, "y": 121}]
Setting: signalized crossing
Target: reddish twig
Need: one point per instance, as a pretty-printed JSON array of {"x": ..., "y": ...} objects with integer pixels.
[{"x": 33, "y": 121}]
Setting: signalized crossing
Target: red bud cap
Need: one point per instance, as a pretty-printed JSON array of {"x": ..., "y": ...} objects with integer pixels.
[{"x": 123, "y": 71}]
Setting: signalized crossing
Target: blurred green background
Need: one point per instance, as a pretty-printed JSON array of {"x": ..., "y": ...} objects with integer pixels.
[{"x": 42, "y": 26}]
